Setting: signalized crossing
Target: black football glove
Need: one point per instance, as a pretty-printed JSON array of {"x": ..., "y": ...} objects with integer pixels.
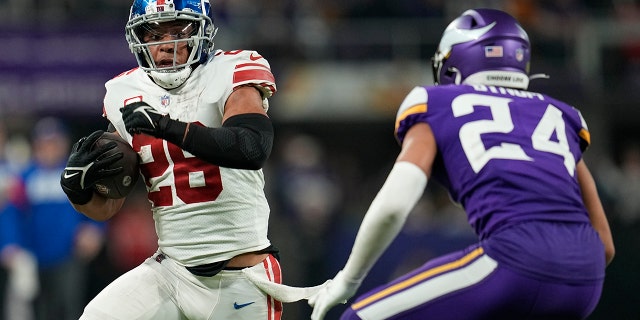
[
  {"x": 140, "y": 117},
  {"x": 85, "y": 167}
]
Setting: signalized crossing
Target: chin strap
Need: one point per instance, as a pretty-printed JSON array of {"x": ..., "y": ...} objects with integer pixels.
[
  {"x": 458, "y": 78},
  {"x": 170, "y": 80}
]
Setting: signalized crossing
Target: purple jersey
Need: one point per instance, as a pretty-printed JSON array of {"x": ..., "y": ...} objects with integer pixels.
[
  {"x": 509, "y": 157},
  {"x": 505, "y": 155}
]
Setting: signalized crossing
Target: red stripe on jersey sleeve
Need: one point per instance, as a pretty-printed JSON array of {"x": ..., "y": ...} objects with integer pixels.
[
  {"x": 253, "y": 75},
  {"x": 244, "y": 65}
]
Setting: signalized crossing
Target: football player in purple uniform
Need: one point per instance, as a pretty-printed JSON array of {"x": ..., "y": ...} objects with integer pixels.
[
  {"x": 197, "y": 117},
  {"x": 513, "y": 159}
]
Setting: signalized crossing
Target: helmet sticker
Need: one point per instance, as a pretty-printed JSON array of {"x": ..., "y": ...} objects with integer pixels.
[
  {"x": 493, "y": 51},
  {"x": 160, "y": 6},
  {"x": 519, "y": 54}
]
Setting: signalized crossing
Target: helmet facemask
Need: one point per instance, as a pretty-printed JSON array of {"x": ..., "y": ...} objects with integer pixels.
[{"x": 171, "y": 32}]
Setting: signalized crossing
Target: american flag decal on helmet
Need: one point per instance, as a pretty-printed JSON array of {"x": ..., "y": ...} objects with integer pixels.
[{"x": 493, "y": 51}]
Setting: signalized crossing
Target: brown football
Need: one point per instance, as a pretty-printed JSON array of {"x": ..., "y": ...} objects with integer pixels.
[{"x": 120, "y": 185}]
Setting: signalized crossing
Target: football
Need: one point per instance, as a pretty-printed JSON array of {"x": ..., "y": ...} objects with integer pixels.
[{"x": 120, "y": 185}]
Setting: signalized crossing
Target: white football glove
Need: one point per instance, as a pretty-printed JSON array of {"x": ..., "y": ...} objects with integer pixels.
[{"x": 337, "y": 290}]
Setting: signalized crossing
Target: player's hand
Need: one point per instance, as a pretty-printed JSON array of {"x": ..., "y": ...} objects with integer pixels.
[
  {"x": 337, "y": 290},
  {"x": 85, "y": 167},
  {"x": 140, "y": 117}
]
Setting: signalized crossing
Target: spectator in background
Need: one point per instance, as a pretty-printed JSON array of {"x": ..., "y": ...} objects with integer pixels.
[
  {"x": 627, "y": 185},
  {"x": 5, "y": 167},
  {"x": 17, "y": 266},
  {"x": 627, "y": 14},
  {"x": 3, "y": 178},
  {"x": 61, "y": 240},
  {"x": 619, "y": 183}
]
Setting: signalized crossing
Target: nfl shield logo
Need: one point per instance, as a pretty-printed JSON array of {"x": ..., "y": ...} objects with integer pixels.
[
  {"x": 519, "y": 54},
  {"x": 165, "y": 100}
]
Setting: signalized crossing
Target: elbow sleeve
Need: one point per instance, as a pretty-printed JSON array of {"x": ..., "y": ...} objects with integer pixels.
[{"x": 243, "y": 142}]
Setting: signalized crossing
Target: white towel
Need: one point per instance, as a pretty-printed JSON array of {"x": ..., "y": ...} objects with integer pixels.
[{"x": 281, "y": 292}]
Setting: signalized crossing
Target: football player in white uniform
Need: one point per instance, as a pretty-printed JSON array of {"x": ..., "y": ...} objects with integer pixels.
[{"x": 197, "y": 117}]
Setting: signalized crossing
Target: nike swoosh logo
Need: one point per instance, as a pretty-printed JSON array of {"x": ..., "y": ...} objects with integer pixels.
[
  {"x": 240, "y": 306},
  {"x": 67, "y": 176},
  {"x": 254, "y": 58}
]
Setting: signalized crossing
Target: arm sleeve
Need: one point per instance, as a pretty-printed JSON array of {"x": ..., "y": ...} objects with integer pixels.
[
  {"x": 243, "y": 142},
  {"x": 385, "y": 218}
]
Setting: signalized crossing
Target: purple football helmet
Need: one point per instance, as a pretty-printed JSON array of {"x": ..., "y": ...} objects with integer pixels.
[
  {"x": 191, "y": 15},
  {"x": 483, "y": 46}
]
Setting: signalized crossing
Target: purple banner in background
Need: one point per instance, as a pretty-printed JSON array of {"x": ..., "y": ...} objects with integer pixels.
[{"x": 59, "y": 71}]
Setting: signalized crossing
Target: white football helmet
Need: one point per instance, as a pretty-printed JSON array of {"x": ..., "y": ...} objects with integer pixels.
[{"x": 192, "y": 16}]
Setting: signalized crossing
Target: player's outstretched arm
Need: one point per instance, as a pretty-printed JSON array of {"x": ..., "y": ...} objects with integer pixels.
[
  {"x": 594, "y": 207},
  {"x": 384, "y": 219}
]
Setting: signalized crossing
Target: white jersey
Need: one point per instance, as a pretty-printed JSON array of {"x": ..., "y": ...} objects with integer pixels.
[{"x": 203, "y": 213}]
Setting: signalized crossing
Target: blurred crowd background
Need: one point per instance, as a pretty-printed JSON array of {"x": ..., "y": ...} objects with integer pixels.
[{"x": 342, "y": 68}]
